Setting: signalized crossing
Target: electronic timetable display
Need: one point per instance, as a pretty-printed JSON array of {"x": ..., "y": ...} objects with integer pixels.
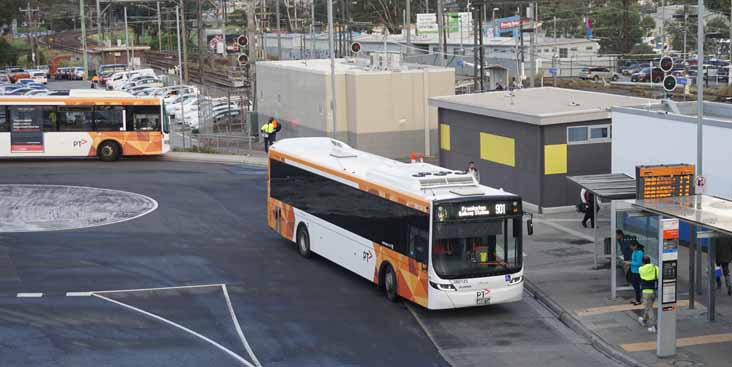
[{"x": 662, "y": 181}]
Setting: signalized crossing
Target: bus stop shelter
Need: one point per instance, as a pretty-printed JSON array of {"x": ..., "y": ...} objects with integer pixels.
[
  {"x": 606, "y": 189},
  {"x": 708, "y": 216}
]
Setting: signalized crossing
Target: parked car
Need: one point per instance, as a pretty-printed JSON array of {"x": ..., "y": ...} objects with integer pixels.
[
  {"x": 18, "y": 91},
  {"x": 17, "y": 73},
  {"x": 78, "y": 73},
  {"x": 631, "y": 69},
  {"x": 37, "y": 93},
  {"x": 646, "y": 75},
  {"x": 39, "y": 76},
  {"x": 599, "y": 73}
]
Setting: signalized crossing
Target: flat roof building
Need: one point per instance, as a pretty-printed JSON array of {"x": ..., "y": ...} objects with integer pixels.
[
  {"x": 527, "y": 141},
  {"x": 382, "y": 109}
]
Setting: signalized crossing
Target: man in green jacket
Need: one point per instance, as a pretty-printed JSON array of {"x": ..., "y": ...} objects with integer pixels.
[{"x": 649, "y": 283}]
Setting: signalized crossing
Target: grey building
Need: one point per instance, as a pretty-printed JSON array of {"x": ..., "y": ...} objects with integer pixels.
[{"x": 527, "y": 141}]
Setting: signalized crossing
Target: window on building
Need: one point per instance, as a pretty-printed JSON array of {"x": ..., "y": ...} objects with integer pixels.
[
  {"x": 588, "y": 48},
  {"x": 573, "y": 49},
  {"x": 589, "y": 134},
  {"x": 563, "y": 53}
]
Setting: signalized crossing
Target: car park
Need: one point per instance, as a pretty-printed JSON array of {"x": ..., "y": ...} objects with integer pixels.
[
  {"x": 631, "y": 69},
  {"x": 15, "y": 73}
]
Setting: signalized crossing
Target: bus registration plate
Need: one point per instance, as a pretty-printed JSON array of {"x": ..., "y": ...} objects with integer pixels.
[{"x": 482, "y": 298}]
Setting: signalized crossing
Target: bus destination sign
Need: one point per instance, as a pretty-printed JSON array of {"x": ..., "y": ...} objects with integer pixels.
[{"x": 481, "y": 209}]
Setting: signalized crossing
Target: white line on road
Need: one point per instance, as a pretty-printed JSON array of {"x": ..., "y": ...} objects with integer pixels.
[
  {"x": 181, "y": 327},
  {"x": 79, "y": 294},
  {"x": 158, "y": 289},
  {"x": 238, "y": 327},
  {"x": 29, "y": 295}
]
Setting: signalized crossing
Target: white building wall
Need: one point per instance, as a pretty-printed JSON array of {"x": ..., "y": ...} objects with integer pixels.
[{"x": 643, "y": 140}]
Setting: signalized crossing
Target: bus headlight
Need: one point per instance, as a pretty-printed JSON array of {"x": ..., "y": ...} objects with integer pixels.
[{"x": 443, "y": 287}]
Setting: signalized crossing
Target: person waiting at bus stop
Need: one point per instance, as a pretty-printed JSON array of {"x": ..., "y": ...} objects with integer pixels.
[
  {"x": 269, "y": 132},
  {"x": 649, "y": 284},
  {"x": 636, "y": 261}
]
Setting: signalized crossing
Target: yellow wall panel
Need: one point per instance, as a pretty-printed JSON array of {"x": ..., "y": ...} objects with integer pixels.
[
  {"x": 498, "y": 149},
  {"x": 555, "y": 159},
  {"x": 444, "y": 136}
]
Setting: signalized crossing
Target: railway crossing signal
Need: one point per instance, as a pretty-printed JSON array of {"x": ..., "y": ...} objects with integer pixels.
[
  {"x": 242, "y": 40},
  {"x": 669, "y": 83},
  {"x": 243, "y": 59},
  {"x": 666, "y": 64},
  {"x": 355, "y": 47}
]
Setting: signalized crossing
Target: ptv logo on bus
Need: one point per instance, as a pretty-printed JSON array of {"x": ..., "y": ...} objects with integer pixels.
[{"x": 79, "y": 143}]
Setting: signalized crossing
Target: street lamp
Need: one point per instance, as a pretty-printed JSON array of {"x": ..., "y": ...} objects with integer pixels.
[{"x": 493, "y": 20}]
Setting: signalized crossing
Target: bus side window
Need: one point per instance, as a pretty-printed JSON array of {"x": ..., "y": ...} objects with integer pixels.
[
  {"x": 418, "y": 241},
  {"x": 49, "y": 117},
  {"x": 143, "y": 118},
  {"x": 75, "y": 119},
  {"x": 4, "y": 126},
  {"x": 108, "y": 118}
]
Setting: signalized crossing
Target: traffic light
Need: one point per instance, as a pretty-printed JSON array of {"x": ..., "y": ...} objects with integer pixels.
[
  {"x": 242, "y": 40},
  {"x": 669, "y": 83},
  {"x": 355, "y": 47},
  {"x": 243, "y": 59},
  {"x": 666, "y": 64}
]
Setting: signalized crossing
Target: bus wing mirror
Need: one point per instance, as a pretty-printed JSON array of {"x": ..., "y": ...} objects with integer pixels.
[{"x": 530, "y": 225}]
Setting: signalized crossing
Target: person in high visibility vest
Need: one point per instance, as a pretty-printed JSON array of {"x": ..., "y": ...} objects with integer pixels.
[
  {"x": 95, "y": 81},
  {"x": 269, "y": 132},
  {"x": 649, "y": 283}
]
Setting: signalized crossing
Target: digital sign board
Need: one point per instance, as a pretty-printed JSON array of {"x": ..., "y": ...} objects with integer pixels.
[{"x": 662, "y": 181}]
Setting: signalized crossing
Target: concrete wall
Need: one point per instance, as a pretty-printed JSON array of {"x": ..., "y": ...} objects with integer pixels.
[
  {"x": 648, "y": 138},
  {"x": 379, "y": 112},
  {"x": 465, "y": 129}
]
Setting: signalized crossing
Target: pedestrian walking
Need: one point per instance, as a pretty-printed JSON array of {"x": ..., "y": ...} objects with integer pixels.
[
  {"x": 723, "y": 258},
  {"x": 636, "y": 261},
  {"x": 473, "y": 171},
  {"x": 269, "y": 132},
  {"x": 649, "y": 283},
  {"x": 589, "y": 203}
]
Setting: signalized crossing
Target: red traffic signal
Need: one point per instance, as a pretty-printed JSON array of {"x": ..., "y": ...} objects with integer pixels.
[
  {"x": 355, "y": 47},
  {"x": 242, "y": 40},
  {"x": 243, "y": 59},
  {"x": 666, "y": 64}
]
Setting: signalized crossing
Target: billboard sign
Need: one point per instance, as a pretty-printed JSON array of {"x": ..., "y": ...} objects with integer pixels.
[
  {"x": 426, "y": 23},
  {"x": 26, "y": 134}
]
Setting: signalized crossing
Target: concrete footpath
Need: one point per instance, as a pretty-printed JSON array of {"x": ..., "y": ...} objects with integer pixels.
[
  {"x": 560, "y": 274},
  {"x": 254, "y": 158}
]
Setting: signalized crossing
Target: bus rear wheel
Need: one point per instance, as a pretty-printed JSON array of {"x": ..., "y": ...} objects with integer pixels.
[
  {"x": 108, "y": 151},
  {"x": 390, "y": 284},
  {"x": 303, "y": 241}
]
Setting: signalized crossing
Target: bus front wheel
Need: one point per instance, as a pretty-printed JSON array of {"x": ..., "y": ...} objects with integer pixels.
[
  {"x": 108, "y": 151},
  {"x": 303, "y": 241},
  {"x": 390, "y": 284}
]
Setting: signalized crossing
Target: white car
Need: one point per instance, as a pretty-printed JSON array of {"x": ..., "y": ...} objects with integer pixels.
[
  {"x": 174, "y": 105},
  {"x": 39, "y": 76},
  {"x": 148, "y": 82}
]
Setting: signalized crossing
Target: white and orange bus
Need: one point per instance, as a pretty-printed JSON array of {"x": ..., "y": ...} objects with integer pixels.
[
  {"x": 424, "y": 233},
  {"x": 84, "y": 123}
]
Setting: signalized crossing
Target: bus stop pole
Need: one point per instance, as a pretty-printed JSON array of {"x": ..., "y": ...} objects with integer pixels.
[
  {"x": 613, "y": 251},
  {"x": 692, "y": 268},
  {"x": 712, "y": 280}
]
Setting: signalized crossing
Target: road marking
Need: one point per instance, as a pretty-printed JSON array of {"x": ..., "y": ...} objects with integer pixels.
[
  {"x": 238, "y": 327},
  {"x": 157, "y": 289},
  {"x": 79, "y": 294},
  {"x": 681, "y": 342},
  {"x": 626, "y": 307},
  {"x": 181, "y": 327},
  {"x": 29, "y": 295},
  {"x": 565, "y": 229},
  {"x": 427, "y": 332}
]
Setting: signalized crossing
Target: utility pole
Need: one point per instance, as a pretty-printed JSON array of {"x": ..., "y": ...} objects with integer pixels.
[
  {"x": 729, "y": 67},
  {"x": 251, "y": 36},
  {"x": 177, "y": 33},
  {"x": 83, "y": 38},
  {"x": 476, "y": 15},
  {"x": 29, "y": 21},
  {"x": 554, "y": 53},
  {"x": 663, "y": 26},
  {"x": 331, "y": 50},
  {"x": 532, "y": 59},
  {"x": 408, "y": 25},
  {"x": 686, "y": 30},
  {"x": 160, "y": 36},
  {"x": 440, "y": 31},
  {"x": 201, "y": 41},
  {"x": 482, "y": 52},
  {"x": 184, "y": 37},
  {"x": 278, "y": 30},
  {"x": 312, "y": 29},
  {"x": 100, "y": 34},
  {"x": 127, "y": 38}
]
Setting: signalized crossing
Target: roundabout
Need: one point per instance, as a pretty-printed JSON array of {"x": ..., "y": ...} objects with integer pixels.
[{"x": 40, "y": 208}]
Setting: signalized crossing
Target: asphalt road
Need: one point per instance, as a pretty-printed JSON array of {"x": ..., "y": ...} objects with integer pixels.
[{"x": 209, "y": 229}]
